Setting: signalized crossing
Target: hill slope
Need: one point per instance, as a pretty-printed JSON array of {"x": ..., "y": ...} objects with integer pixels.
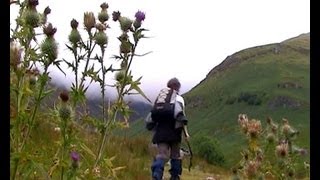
[{"x": 265, "y": 81}]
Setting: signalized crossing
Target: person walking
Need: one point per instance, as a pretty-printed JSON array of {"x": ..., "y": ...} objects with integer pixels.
[{"x": 168, "y": 131}]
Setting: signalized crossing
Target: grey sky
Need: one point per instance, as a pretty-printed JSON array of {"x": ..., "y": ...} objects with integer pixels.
[{"x": 189, "y": 37}]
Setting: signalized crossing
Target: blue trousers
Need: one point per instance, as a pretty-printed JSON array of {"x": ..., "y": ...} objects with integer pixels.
[{"x": 166, "y": 152}]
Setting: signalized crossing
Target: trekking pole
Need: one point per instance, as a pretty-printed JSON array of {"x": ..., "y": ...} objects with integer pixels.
[{"x": 187, "y": 141}]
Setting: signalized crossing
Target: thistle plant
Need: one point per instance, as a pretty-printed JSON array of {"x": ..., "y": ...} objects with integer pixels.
[
  {"x": 28, "y": 84},
  {"x": 64, "y": 112},
  {"x": 30, "y": 60},
  {"x": 125, "y": 85},
  {"x": 271, "y": 152}
]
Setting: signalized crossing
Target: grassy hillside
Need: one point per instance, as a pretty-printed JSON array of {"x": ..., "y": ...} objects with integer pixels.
[{"x": 265, "y": 81}]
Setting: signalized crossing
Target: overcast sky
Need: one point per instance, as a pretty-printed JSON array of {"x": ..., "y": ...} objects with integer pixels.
[{"x": 188, "y": 38}]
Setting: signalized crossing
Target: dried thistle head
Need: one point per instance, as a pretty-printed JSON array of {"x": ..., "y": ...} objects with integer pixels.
[
  {"x": 15, "y": 55},
  {"x": 254, "y": 128},
  {"x": 282, "y": 150},
  {"x": 89, "y": 20},
  {"x": 242, "y": 118},
  {"x": 251, "y": 169},
  {"x": 243, "y": 122}
]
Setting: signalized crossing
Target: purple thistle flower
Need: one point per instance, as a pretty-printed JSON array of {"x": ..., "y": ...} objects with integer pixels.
[
  {"x": 140, "y": 16},
  {"x": 75, "y": 156}
]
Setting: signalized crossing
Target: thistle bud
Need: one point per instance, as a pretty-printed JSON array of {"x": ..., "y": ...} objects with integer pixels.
[
  {"x": 116, "y": 15},
  {"x": 32, "y": 17},
  {"x": 49, "y": 47},
  {"x": 125, "y": 23},
  {"x": 74, "y": 36},
  {"x": 125, "y": 47},
  {"x": 89, "y": 20},
  {"x": 103, "y": 15},
  {"x": 120, "y": 76},
  {"x": 137, "y": 24},
  {"x": 64, "y": 113},
  {"x": 101, "y": 38},
  {"x": 123, "y": 37}
]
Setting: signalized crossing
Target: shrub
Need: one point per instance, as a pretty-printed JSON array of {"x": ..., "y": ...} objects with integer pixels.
[
  {"x": 251, "y": 98},
  {"x": 208, "y": 148}
]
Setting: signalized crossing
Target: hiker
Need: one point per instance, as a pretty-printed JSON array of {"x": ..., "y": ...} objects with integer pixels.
[{"x": 168, "y": 132}]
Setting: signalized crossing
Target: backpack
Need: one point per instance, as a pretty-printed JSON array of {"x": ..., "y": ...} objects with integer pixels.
[{"x": 164, "y": 105}]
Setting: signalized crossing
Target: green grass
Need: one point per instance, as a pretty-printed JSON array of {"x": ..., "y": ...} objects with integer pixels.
[{"x": 256, "y": 70}]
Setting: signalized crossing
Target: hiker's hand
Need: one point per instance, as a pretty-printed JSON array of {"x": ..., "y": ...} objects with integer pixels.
[{"x": 187, "y": 136}]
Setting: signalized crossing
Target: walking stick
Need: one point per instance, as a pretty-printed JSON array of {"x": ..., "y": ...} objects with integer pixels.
[{"x": 187, "y": 141}]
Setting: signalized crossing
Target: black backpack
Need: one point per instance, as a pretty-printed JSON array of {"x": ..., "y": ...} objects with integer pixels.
[{"x": 163, "y": 108}]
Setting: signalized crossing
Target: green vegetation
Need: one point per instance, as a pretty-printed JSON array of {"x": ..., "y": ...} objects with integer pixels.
[
  {"x": 30, "y": 62},
  {"x": 65, "y": 142},
  {"x": 266, "y": 81},
  {"x": 208, "y": 148}
]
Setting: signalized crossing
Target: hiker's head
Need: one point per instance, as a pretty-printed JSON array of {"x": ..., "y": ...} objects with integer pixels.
[{"x": 174, "y": 84}]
